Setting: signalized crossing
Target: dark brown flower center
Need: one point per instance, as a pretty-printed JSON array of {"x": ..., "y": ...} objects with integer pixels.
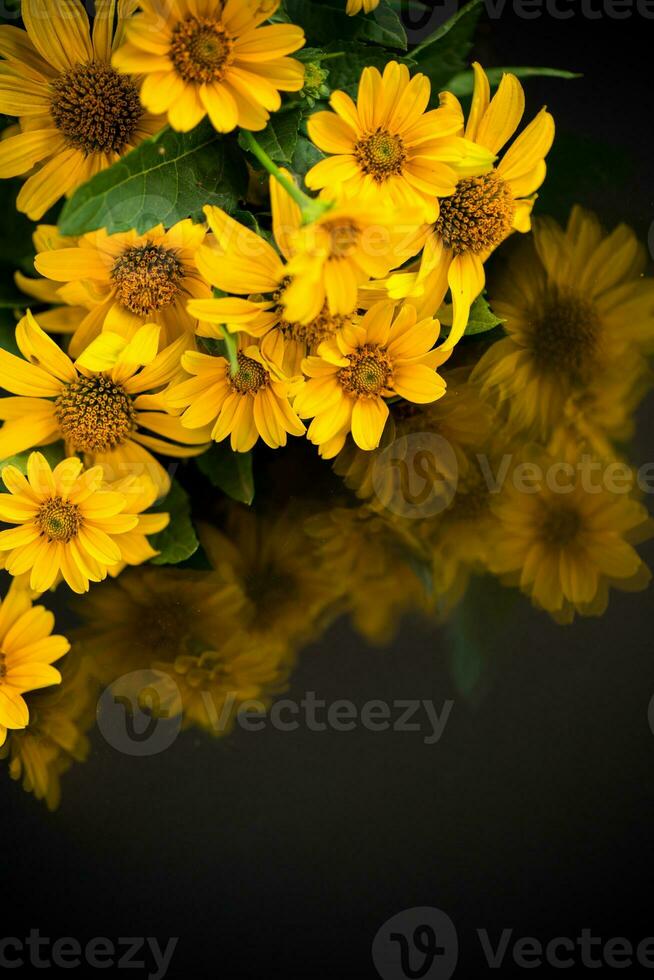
[
  {"x": 250, "y": 377},
  {"x": 561, "y": 526},
  {"x": 344, "y": 237},
  {"x": 380, "y": 154},
  {"x": 59, "y": 519},
  {"x": 313, "y": 333},
  {"x": 96, "y": 108},
  {"x": 565, "y": 332},
  {"x": 201, "y": 49},
  {"x": 478, "y": 216},
  {"x": 147, "y": 278},
  {"x": 95, "y": 414},
  {"x": 369, "y": 373}
]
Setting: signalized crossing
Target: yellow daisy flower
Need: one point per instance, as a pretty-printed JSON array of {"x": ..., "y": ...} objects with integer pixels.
[
  {"x": 238, "y": 261},
  {"x": 389, "y": 147},
  {"x": 483, "y": 211},
  {"x": 378, "y": 358},
  {"x": 356, "y": 6},
  {"x": 67, "y": 521},
  {"x": 212, "y": 57},
  {"x": 249, "y": 404},
  {"x": 567, "y": 549},
  {"x": 579, "y": 315},
  {"x": 349, "y": 244},
  {"x": 78, "y": 115},
  {"x": 101, "y": 405},
  {"x": 27, "y": 651},
  {"x": 126, "y": 280}
]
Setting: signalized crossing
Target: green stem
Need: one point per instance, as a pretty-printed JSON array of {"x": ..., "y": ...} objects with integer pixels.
[
  {"x": 311, "y": 207},
  {"x": 231, "y": 345}
]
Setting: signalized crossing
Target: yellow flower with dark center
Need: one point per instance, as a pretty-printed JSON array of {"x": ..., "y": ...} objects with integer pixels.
[
  {"x": 212, "y": 57},
  {"x": 107, "y": 405},
  {"x": 567, "y": 549},
  {"x": 249, "y": 403},
  {"x": 78, "y": 115},
  {"x": 126, "y": 280},
  {"x": 349, "y": 379},
  {"x": 67, "y": 521},
  {"x": 483, "y": 210},
  {"x": 240, "y": 261},
  {"x": 27, "y": 652},
  {"x": 389, "y": 147},
  {"x": 579, "y": 317}
]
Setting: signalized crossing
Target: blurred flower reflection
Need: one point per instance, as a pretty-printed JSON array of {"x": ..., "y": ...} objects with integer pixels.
[{"x": 519, "y": 472}]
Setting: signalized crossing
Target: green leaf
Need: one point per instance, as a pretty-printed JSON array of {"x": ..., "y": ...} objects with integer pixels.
[
  {"x": 178, "y": 541},
  {"x": 229, "y": 471},
  {"x": 305, "y": 157},
  {"x": 279, "y": 138},
  {"x": 323, "y": 19},
  {"x": 463, "y": 83},
  {"x": 445, "y": 53},
  {"x": 168, "y": 177},
  {"x": 53, "y": 453},
  {"x": 345, "y": 70},
  {"x": 481, "y": 318}
]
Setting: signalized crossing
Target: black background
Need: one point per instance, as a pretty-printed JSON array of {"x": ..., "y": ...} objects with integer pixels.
[{"x": 280, "y": 855}]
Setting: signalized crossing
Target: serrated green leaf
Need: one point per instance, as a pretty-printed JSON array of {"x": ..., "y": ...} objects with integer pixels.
[
  {"x": 178, "y": 541},
  {"x": 167, "y": 178},
  {"x": 53, "y": 453},
  {"x": 229, "y": 471},
  {"x": 444, "y": 54},
  {"x": 463, "y": 83},
  {"x": 327, "y": 19},
  {"x": 279, "y": 138}
]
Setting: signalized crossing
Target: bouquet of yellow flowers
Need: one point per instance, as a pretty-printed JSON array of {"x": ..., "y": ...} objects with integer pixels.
[{"x": 263, "y": 221}]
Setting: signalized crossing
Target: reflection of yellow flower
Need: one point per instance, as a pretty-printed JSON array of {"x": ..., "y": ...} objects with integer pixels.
[
  {"x": 356, "y": 6},
  {"x": 100, "y": 406},
  {"x": 251, "y": 403},
  {"x": 127, "y": 280},
  {"x": 273, "y": 563},
  {"x": 214, "y": 684},
  {"x": 566, "y": 549},
  {"x": 373, "y": 567},
  {"x": 389, "y": 148},
  {"x": 578, "y": 314},
  {"x": 483, "y": 211},
  {"x": 212, "y": 59},
  {"x": 27, "y": 651},
  {"x": 66, "y": 522},
  {"x": 155, "y": 613},
  {"x": 78, "y": 115},
  {"x": 56, "y": 735},
  {"x": 367, "y": 362}
]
